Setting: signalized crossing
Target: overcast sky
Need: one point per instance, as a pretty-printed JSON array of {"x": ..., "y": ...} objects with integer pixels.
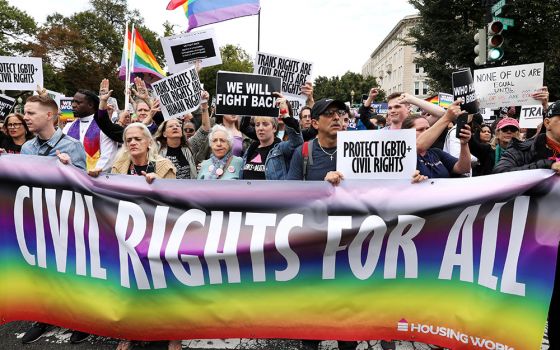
[{"x": 335, "y": 35}]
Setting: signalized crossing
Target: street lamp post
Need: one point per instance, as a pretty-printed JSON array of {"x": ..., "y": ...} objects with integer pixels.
[{"x": 352, "y": 98}]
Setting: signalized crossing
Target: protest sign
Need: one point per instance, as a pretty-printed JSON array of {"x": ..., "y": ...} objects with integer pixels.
[
  {"x": 6, "y": 105},
  {"x": 508, "y": 86},
  {"x": 182, "y": 50},
  {"x": 297, "y": 104},
  {"x": 65, "y": 109},
  {"x": 246, "y": 94},
  {"x": 20, "y": 73},
  {"x": 463, "y": 88},
  {"x": 179, "y": 94},
  {"x": 487, "y": 113},
  {"x": 294, "y": 73},
  {"x": 445, "y": 100},
  {"x": 380, "y": 108},
  {"x": 480, "y": 252},
  {"x": 531, "y": 116},
  {"x": 376, "y": 154}
]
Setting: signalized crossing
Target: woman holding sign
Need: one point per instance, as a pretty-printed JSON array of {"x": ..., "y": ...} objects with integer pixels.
[
  {"x": 15, "y": 134},
  {"x": 173, "y": 145}
]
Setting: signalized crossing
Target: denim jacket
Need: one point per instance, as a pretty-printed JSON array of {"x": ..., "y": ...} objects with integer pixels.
[
  {"x": 58, "y": 142},
  {"x": 279, "y": 158}
]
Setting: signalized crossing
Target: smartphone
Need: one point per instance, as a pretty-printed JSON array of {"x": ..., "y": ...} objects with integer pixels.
[{"x": 461, "y": 122}]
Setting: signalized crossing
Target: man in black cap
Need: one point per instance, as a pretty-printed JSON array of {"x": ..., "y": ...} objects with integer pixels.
[{"x": 319, "y": 155}]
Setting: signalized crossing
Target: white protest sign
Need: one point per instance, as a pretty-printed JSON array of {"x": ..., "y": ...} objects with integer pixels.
[
  {"x": 376, "y": 154},
  {"x": 294, "y": 73},
  {"x": 179, "y": 94},
  {"x": 183, "y": 49},
  {"x": 486, "y": 113},
  {"x": 20, "y": 73},
  {"x": 297, "y": 104},
  {"x": 531, "y": 116},
  {"x": 509, "y": 85}
]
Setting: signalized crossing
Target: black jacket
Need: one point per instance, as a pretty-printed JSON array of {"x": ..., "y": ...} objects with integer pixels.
[{"x": 525, "y": 155}]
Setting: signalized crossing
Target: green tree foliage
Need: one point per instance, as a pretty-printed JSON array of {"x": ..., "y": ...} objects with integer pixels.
[
  {"x": 340, "y": 88},
  {"x": 79, "y": 50},
  {"x": 16, "y": 28},
  {"x": 444, "y": 37},
  {"x": 234, "y": 59}
]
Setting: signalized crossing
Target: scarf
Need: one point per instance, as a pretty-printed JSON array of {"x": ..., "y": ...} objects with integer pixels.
[
  {"x": 217, "y": 166},
  {"x": 92, "y": 142}
]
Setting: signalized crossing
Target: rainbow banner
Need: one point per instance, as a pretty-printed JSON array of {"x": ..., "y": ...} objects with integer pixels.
[
  {"x": 461, "y": 263},
  {"x": 203, "y": 12},
  {"x": 145, "y": 63}
]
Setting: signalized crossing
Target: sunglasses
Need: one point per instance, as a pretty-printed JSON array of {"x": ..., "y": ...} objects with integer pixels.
[
  {"x": 332, "y": 112},
  {"x": 509, "y": 129},
  {"x": 188, "y": 130}
]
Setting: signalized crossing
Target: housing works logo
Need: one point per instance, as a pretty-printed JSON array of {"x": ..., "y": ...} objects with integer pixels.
[{"x": 404, "y": 326}]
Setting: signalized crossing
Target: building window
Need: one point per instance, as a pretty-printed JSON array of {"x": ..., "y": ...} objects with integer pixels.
[
  {"x": 416, "y": 88},
  {"x": 418, "y": 69},
  {"x": 425, "y": 88}
]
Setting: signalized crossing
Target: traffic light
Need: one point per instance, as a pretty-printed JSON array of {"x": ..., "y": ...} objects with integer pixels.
[
  {"x": 480, "y": 48},
  {"x": 495, "y": 41}
]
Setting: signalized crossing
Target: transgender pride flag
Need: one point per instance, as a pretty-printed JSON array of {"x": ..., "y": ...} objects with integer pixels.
[{"x": 203, "y": 12}]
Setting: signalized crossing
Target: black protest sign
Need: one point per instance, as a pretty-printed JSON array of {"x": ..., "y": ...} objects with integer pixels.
[
  {"x": 463, "y": 87},
  {"x": 179, "y": 94},
  {"x": 246, "y": 94},
  {"x": 294, "y": 73},
  {"x": 6, "y": 105}
]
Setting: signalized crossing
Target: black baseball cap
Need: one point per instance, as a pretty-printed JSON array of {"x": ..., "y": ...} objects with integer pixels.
[
  {"x": 553, "y": 110},
  {"x": 321, "y": 106}
]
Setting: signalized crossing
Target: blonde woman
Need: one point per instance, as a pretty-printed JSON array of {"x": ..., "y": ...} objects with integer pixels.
[{"x": 139, "y": 156}]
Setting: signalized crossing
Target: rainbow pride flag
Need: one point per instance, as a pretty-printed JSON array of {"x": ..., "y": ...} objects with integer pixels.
[
  {"x": 145, "y": 63},
  {"x": 203, "y": 12}
]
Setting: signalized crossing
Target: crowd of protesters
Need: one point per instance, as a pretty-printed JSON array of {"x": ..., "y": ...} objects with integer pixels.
[{"x": 205, "y": 146}]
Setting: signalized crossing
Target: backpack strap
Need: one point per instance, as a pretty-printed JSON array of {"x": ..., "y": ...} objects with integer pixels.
[
  {"x": 307, "y": 153},
  {"x": 50, "y": 148}
]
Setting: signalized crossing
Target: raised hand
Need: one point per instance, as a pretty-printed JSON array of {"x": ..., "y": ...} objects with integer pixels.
[{"x": 141, "y": 90}]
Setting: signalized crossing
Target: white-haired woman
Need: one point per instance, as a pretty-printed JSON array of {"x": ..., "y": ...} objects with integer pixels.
[
  {"x": 222, "y": 165},
  {"x": 139, "y": 156}
]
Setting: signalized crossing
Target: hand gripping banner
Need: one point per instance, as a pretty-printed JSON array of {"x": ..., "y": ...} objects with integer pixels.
[{"x": 461, "y": 263}]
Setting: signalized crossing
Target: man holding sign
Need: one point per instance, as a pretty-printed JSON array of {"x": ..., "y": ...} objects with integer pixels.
[{"x": 327, "y": 117}]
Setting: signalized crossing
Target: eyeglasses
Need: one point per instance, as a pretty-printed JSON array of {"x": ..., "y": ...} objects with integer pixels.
[
  {"x": 14, "y": 125},
  {"x": 188, "y": 130},
  {"x": 330, "y": 114},
  {"x": 509, "y": 129}
]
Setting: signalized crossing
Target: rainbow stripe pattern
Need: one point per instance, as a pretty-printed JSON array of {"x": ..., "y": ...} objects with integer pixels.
[
  {"x": 203, "y": 12},
  {"x": 323, "y": 297},
  {"x": 145, "y": 63}
]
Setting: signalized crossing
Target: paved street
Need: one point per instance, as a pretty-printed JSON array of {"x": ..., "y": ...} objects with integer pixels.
[{"x": 58, "y": 339}]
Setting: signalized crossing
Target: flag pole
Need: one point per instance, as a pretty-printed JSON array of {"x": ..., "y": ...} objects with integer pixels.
[
  {"x": 126, "y": 49},
  {"x": 132, "y": 55}
]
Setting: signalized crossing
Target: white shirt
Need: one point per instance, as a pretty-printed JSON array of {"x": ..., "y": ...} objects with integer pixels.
[
  {"x": 452, "y": 146},
  {"x": 107, "y": 147}
]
